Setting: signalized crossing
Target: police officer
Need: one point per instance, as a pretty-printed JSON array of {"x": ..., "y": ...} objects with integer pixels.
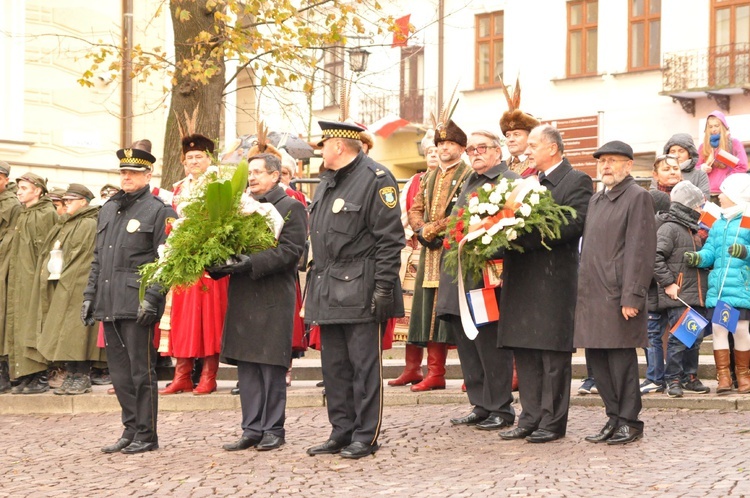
[
  {"x": 130, "y": 229},
  {"x": 357, "y": 237}
]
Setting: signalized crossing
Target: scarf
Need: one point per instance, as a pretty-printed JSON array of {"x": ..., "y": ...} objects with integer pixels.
[
  {"x": 715, "y": 140},
  {"x": 664, "y": 188}
]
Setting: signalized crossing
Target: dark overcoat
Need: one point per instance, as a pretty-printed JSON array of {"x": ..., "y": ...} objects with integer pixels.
[
  {"x": 260, "y": 315},
  {"x": 537, "y": 304},
  {"x": 617, "y": 265},
  {"x": 9, "y": 210}
]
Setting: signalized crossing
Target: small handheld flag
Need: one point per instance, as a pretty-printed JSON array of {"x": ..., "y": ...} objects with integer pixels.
[
  {"x": 711, "y": 213},
  {"x": 483, "y": 306},
  {"x": 689, "y": 327},
  {"x": 726, "y": 158},
  {"x": 726, "y": 316}
]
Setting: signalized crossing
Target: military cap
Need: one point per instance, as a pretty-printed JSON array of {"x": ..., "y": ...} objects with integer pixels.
[
  {"x": 197, "y": 141},
  {"x": 78, "y": 191},
  {"x": 108, "y": 186},
  {"x": 35, "y": 180},
  {"x": 450, "y": 132},
  {"x": 135, "y": 160},
  {"x": 615, "y": 148},
  {"x": 4, "y": 168},
  {"x": 56, "y": 194},
  {"x": 337, "y": 129}
]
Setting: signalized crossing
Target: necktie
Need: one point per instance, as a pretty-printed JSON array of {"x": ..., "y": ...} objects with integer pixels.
[{"x": 542, "y": 176}]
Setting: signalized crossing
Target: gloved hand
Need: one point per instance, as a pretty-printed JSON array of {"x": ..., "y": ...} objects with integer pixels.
[
  {"x": 87, "y": 313},
  {"x": 737, "y": 251},
  {"x": 235, "y": 264},
  {"x": 435, "y": 243},
  {"x": 382, "y": 302},
  {"x": 691, "y": 258},
  {"x": 146, "y": 314}
]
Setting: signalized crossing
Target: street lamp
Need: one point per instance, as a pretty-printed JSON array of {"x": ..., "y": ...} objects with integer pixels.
[{"x": 358, "y": 59}]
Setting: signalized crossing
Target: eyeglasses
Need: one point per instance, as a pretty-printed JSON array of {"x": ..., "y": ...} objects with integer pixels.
[
  {"x": 610, "y": 161},
  {"x": 479, "y": 149},
  {"x": 666, "y": 158}
]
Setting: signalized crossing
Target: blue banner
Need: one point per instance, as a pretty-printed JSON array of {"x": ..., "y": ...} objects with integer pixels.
[
  {"x": 689, "y": 327},
  {"x": 726, "y": 316}
]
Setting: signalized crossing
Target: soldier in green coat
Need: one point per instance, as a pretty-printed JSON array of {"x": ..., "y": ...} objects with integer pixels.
[
  {"x": 62, "y": 275},
  {"x": 9, "y": 209},
  {"x": 34, "y": 223}
]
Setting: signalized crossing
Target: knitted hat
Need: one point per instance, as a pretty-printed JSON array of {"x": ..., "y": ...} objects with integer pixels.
[
  {"x": 737, "y": 188},
  {"x": 687, "y": 194},
  {"x": 683, "y": 140}
]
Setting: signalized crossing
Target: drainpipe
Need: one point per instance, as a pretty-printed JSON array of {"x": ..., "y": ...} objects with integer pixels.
[
  {"x": 126, "y": 96},
  {"x": 441, "y": 35}
]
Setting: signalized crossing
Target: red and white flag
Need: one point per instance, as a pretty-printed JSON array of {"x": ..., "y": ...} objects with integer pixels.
[
  {"x": 745, "y": 221},
  {"x": 726, "y": 158},
  {"x": 711, "y": 213},
  {"x": 387, "y": 125},
  {"x": 483, "y": 305}
]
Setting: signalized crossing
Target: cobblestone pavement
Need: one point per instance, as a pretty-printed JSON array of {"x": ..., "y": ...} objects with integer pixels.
[{"x": 685, "y": 453}]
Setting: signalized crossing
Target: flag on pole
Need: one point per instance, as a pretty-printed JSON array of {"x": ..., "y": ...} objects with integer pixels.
[
  {"x": 401, "y": 33},
  {"x": 711, "y": 213},
  {"x": 726, "y": 316},
  {"x": 689, "y": 327}
]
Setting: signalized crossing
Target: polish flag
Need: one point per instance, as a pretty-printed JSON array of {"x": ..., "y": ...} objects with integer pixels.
[
  {"x": 711, "y": 213},
  {"x": 745, "y": 221},
  {"x": 387, "y": 125},
  {"x": 483, "y": 306},
  {"x": 726, "y": 158}
]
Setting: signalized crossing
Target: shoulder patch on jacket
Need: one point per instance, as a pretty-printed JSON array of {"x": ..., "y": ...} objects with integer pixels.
[{"x": 389, "y": 197}]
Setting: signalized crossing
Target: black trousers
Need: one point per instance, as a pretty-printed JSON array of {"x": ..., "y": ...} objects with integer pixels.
[
  {"x": 487, "y": 370},
  {"x": 353, "y": 375},
  {"x": 263, "y": 398},
  {"x": 616, "y": 376},
  {"x": 132, "y": 365},
  {"x": 544, "y": 388}
]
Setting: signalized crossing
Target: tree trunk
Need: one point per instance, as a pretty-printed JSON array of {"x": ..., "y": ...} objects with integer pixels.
[{"x": 187, "y": 94}]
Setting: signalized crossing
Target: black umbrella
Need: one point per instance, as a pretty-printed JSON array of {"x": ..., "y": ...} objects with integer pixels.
[{"x": 295, "y": 146}]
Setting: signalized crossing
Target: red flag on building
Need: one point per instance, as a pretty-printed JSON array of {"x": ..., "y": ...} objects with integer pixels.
[{"x": 401, "y": 34}]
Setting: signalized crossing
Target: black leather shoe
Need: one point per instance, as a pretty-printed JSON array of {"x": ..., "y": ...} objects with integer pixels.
[
  {"x": 242, "y": 443},
  {"x": 270, "y": 442},
  {"x": 625, "y": 435},
  {"x": 140, "y": 447},
  {"x": 517, "y": 433},
  {"x": 602, "y": 436},
  {"x": 358, "y": 450},
  {"x": 493, "y": 423},
  {"x": 330, "y": 447},
  {"x": 543, "y": 436},
  {"x": 470, "y": 419},
  {"x": 119, "y": 445}
]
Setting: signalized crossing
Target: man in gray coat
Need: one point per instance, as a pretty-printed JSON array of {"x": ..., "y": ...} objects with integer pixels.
[
  {"x": 617, "y": 260},
  {"x": 257, "y": 333}
]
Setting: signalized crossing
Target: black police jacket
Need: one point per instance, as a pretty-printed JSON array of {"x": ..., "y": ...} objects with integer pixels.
[
  {"x": 357, "y": 237},
  {"x": 129, "y": 232}
]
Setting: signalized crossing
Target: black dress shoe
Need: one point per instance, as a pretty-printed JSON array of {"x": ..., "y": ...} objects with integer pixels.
[
  {"x": 602, "y": 436},
  {"x": 330, "y": 447},
  {"x": 140, "y": 447},
  {"x": 235, "y": 391},
  {"x": 543, "y": 436},
  {"x": 358, "y": 450},
  {"x": 493, "y": 423},
  {"x": 470, "y": 419},
  {"x": 517, "y": 433},
  {"x": 242, "y": 443},
  {"x": 625, "y": 435},
  {"x": 270, "y": 442},
  {"x": 119, "y": 445}
]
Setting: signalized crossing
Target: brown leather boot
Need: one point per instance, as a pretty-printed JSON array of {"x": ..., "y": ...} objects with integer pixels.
[
  {"x": 207, "y": 384},
  {"x": 413, "y": 370},
  {"x": 436, "y": 354},
  {"x": 181, "y": 383},
  {"x": 721, "y": 359},
  {"x": 742, "y": 370}
]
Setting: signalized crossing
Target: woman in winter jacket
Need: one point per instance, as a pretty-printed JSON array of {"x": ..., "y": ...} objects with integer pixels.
[
  {"x": 717, "y": 137},
  {"x": 727, "y": 251}
]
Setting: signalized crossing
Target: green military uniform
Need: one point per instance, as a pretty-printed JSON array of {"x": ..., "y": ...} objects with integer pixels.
[{"x": 9, "y": 209}]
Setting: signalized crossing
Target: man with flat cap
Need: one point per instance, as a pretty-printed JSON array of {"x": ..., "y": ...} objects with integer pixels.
[
  {"x": 9, "y": 209},
  {"x": 353, "y": 285},
  {"x": 62, "y": 275},
  {"x": 34, "y": 223},
  {"x": 130, "y": 229},
  {"x": 617, "y": 261}
]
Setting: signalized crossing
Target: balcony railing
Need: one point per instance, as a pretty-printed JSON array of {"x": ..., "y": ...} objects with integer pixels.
[
  {"x": 706, "y": 70},
  {"x": 410, "y": 107}
]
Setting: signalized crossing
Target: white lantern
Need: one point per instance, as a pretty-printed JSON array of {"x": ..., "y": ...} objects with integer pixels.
[{"x": 55, "y": 263}]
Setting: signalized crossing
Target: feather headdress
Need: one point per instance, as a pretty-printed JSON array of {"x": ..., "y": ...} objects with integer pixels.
[
  {"x": 445, "y": 128},
  {"x": 514, "y": 118}
]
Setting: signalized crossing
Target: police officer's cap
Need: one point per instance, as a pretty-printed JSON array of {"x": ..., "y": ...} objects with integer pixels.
[
  {"x": 337, "y": 129},
  {"x": 135, "y": 160}
]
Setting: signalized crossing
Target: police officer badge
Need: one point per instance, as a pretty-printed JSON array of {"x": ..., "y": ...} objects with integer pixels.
[
  {"x": 133, "y": 225},
  {"x": 389, "y": 197}
]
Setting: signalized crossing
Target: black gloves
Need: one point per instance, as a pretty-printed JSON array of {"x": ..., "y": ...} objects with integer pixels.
[
  {"x": 147, "y": 314},
  {"x": 87, "y": 313},
  {"x": 382, "y": 302},
  {"x": 235, "y": 264},
  {"x": 435, "y": 243}
]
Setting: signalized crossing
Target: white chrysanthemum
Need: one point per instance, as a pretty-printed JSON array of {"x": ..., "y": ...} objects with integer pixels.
[
  {"x": 525, "y": 210},
  {"x": 492, "y": 209},
  {"x": 511, "y": 234},
  {"x": 521, "y": 223},
  {"x": 160, "y": 251},
  {"x": 212, "y": 169},
  {"x": 473, "y": 209},
  {"x": 475, "y": 220},
  {"x": 484, "y": 207},
  {"x": 488, "y": 187},
  {"x": 496, "y": 197},
  {"x": 486, "y": 239},
  {"x": 534, "y": 199},
  {"x": 502, "y": 186}
]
